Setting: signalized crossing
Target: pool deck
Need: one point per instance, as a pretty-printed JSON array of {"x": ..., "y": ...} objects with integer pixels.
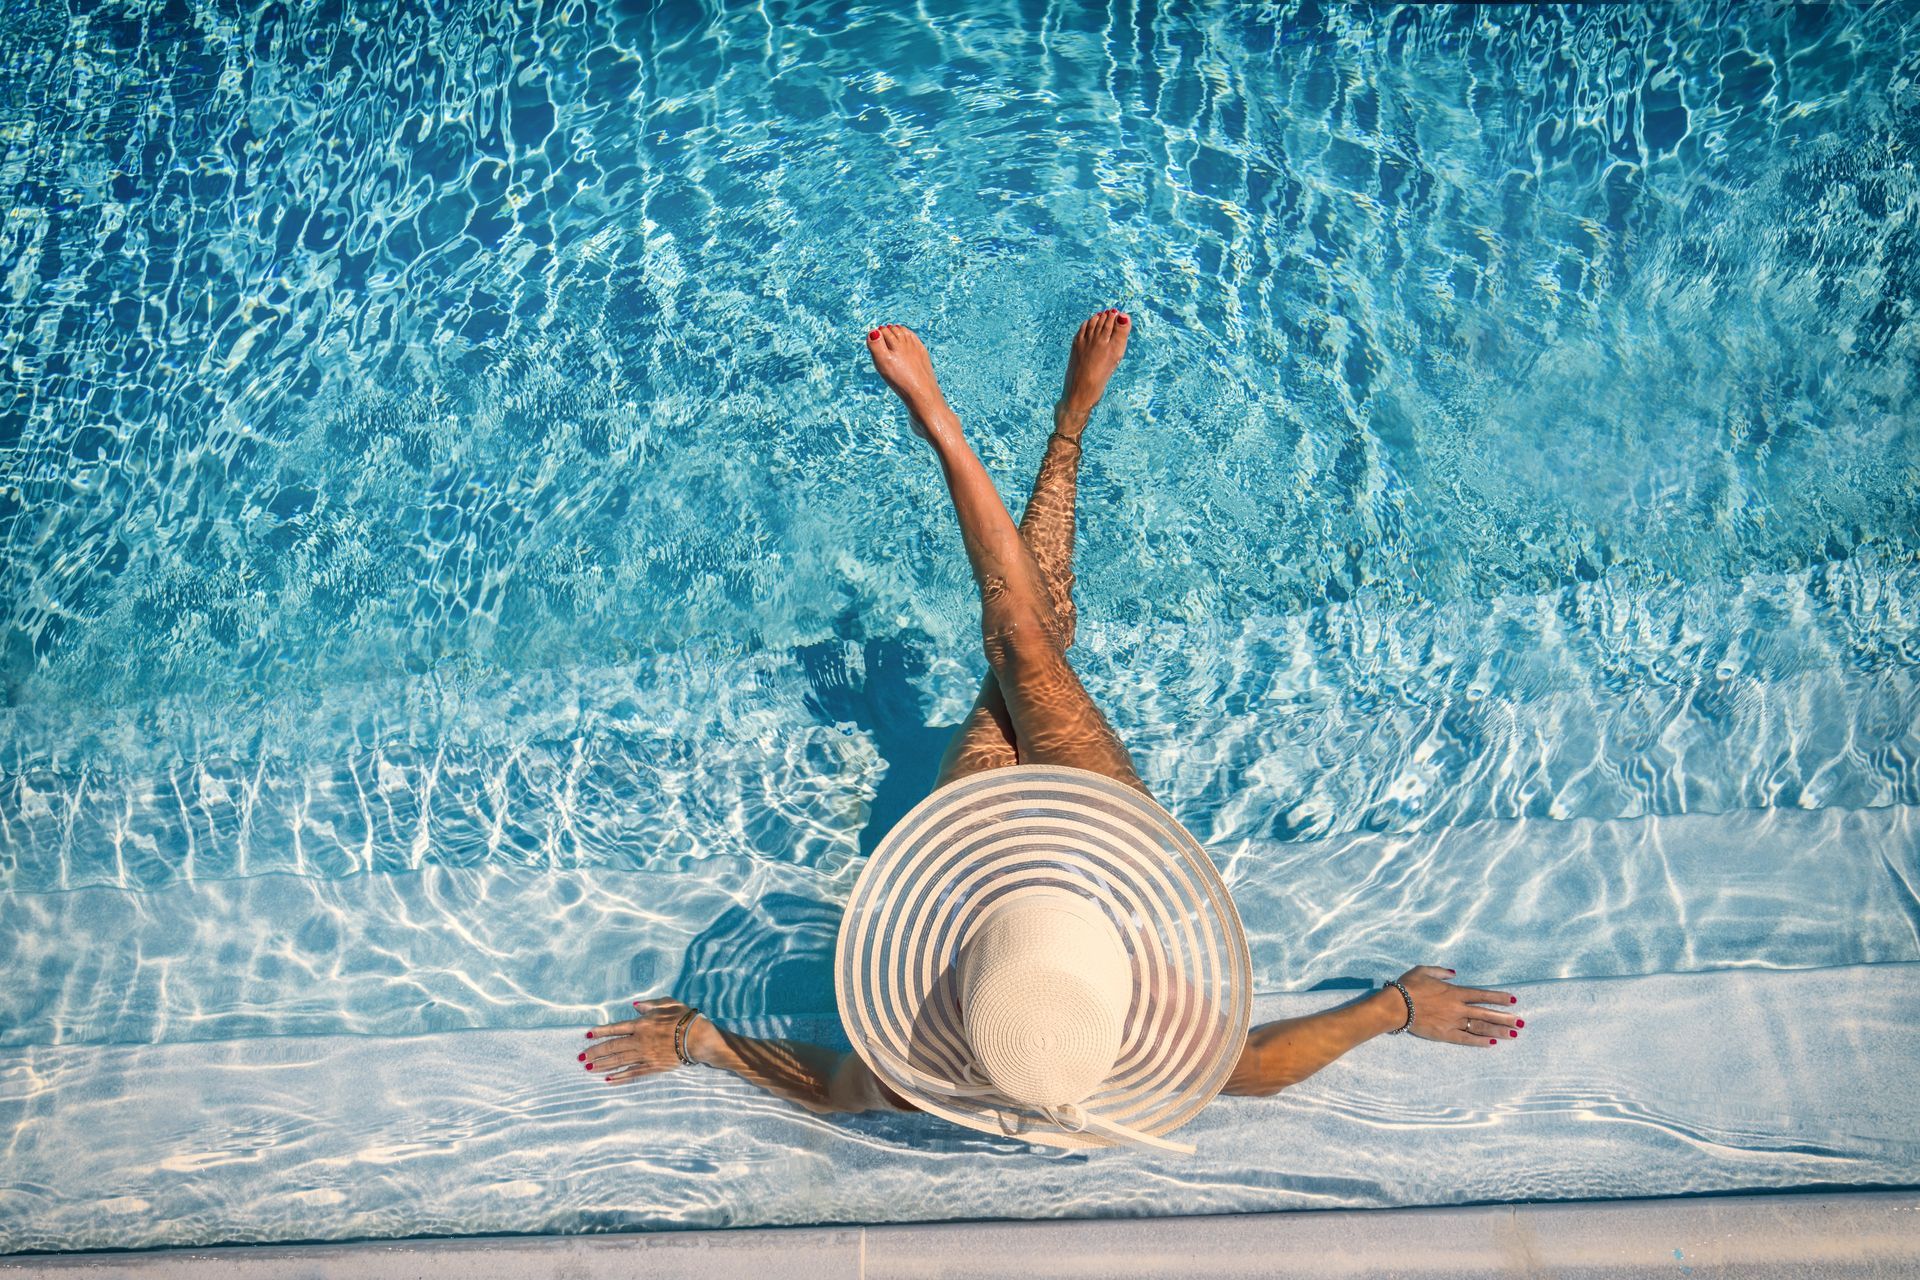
[{"x": 1855, "y": 1234}]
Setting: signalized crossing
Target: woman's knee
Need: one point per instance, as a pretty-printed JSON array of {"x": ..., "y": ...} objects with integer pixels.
[{"x": 1019, "y": 647}]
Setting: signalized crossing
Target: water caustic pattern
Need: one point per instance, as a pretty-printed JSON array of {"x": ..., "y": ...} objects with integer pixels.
[
  {"x": 441, "y": 436},
  {"x": 347, "y": 341},
  {"x": 1592, "y": 702}
]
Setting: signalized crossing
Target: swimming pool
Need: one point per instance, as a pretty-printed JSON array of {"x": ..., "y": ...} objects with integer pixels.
[{"x": 460, "y": 573}]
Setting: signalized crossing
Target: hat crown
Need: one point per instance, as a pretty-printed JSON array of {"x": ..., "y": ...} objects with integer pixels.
[{"x": 1045, "y": 985}]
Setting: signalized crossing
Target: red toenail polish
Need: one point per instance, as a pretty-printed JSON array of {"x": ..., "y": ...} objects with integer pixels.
[
  {"x": 1519, "y": 1022},
  {"x": 1123, "y": 319},
  {"x": 581, "y": 1058},
  {"x": 872, "y": 334}
]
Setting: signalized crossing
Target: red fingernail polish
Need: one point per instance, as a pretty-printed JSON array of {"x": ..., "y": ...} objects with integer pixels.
[
  {"x": 1513, "y": 999},
  {"x": 1449, "y": 973},
  {"x": 589, "y": 1066},
  {"x": 1493, "y": 1042},
  {"x": 581, "y": 1058},
  {"x": 1513, "y": 1035},
  {"x": 1519, "y": 1022},
  {"x": 589, "y": 1035},
  {"x": 872, "y": 334}
]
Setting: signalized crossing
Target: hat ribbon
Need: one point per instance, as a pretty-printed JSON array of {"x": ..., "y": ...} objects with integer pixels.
[{"x": 1069, "y": 1116}]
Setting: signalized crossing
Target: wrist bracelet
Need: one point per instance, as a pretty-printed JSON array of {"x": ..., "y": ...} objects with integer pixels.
[
  {"x": 680, "y": 1037},
  {"x": 1395, "y": 982}
]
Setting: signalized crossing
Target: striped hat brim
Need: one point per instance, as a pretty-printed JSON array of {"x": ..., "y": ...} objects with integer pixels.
[{"x": 1005, "y": 832}]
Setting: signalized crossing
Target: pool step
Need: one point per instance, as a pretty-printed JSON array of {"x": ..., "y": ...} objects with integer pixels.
[
  {"x": 1650, "y": 1086},
  {"x": 446, "y": 948},
  {"x": 1605, "y": 700},
  {"x": 1768, "y": 888}
]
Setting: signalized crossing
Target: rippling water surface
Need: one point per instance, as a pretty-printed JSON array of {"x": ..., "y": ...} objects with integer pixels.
[{"x": 438, "y": 440}]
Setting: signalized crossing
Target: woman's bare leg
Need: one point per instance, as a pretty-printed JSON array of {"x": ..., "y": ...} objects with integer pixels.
[
  {"x": 1052, "y": 718},
  {"x": 985, "y": 739}
]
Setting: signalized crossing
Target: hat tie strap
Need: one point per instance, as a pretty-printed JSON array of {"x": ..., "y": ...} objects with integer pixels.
[
  {"x": 977, "y": 1085},
  {"x": 1076, "y": 1119},
  {"x": 1070, "y": 1116}
]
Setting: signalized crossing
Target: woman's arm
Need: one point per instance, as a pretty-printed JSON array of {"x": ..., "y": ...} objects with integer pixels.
[
  {"x": 820, "y": 1079},
  {"x": 1286, "y": 1052}
]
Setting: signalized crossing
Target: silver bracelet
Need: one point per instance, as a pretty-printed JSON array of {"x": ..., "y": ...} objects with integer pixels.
[
  {"x": 680, "y": 1038},
  {"x": 1395, "y": 982}
]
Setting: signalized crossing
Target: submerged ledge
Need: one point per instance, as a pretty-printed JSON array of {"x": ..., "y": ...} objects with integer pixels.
[
  {"x": 1743, "y": 1080},
  {"x": 456, "y": 948}
]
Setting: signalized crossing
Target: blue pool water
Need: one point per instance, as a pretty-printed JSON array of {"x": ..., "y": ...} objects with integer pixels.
[{"x": 459, "y": 570}]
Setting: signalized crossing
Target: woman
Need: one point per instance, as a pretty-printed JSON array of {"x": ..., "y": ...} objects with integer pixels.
[{"x": 1073, "y": 982}]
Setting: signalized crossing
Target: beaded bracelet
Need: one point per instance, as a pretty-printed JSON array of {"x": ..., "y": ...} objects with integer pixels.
[
  {"x": 680, "y": 1037},
  {"x": 1395, "y": 982}
]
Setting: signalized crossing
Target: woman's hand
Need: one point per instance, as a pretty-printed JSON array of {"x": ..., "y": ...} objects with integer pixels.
[
  {"x": 1458, "y": 1015},
  {"x": 641, "y": 1046}
]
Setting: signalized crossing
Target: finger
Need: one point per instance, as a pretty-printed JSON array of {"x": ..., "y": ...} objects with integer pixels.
[
  {"x": 634, "y": 1073},
  {"x": 606, "y": 1029},
  {"x": 1454, "y": 1035},
  {"x": 1499, "y": 1019},
  {"x": 598, "y": 1061},
  {"x": 1473, "y": 995},
  {"x": 642, "y": 1009}
]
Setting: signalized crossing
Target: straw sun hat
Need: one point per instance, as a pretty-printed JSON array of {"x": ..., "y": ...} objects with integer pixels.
[{"x": 1044, "y": 952}]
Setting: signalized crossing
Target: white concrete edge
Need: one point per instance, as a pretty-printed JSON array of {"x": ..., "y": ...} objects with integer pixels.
[{"x": 1854, "y": 1234}]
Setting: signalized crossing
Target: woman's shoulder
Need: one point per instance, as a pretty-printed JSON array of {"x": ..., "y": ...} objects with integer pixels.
[
  {"x": 871, "y": 1091},
  {"x": 898, "y": 1103}
]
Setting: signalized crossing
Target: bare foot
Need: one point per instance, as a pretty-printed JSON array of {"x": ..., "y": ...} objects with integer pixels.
[
  {"x": 905, "y": 366},
  {"x": 1097, "y": 349}
]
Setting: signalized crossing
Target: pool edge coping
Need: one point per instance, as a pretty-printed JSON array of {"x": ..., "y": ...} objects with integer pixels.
[{"x": 1869, "y": 1233}]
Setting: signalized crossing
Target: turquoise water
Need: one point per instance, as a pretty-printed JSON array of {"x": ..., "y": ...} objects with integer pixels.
[{"x": 439, "y": 438}]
